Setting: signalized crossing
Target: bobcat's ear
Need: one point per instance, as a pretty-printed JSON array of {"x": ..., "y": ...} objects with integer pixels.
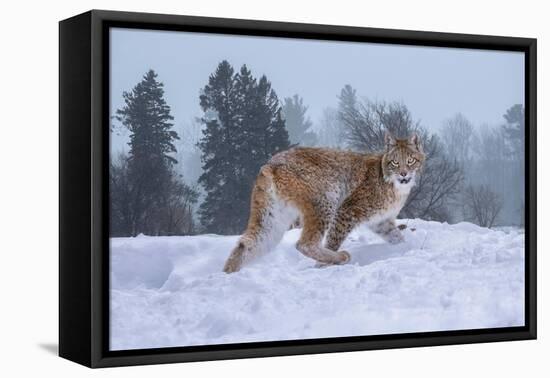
[
  {"x": 389, "y": 140},
  {"x": 415, "y": 141}
]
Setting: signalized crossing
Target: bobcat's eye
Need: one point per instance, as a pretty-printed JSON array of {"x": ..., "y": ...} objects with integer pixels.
[
  {"x": 394, "y": 163},
  {"x": 411, "y": 161}
]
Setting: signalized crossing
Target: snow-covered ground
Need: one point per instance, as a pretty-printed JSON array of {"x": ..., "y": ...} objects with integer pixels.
[{"x": 170, "y": 291}]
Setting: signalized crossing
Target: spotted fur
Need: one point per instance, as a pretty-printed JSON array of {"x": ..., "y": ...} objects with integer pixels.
[{"x": 331, "y": 191}]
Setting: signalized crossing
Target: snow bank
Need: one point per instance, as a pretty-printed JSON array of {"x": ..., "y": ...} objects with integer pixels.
[{"x": 170, "y": 291}]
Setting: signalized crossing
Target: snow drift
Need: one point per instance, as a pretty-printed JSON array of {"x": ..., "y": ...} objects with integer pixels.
[{"x": 170, "y": 291}]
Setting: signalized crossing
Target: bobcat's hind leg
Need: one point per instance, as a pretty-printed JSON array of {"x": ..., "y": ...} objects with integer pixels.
[
  {"x": 235, "y": 260},
  {"x": 388, "y": 231},
  {"x": 248, "y": 247},
  {"x": 311, "y": 238},
  {"x": 269, "y": 218}
]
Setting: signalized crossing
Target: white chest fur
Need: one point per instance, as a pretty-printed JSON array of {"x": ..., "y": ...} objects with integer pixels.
[{"x": 392, "y": 209}]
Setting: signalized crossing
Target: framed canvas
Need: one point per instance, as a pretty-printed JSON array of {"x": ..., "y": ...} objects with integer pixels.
[{"x": 235, "y": 188}]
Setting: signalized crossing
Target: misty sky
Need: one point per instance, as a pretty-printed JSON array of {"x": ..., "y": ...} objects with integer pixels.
[{"x": 435, "y": 83}]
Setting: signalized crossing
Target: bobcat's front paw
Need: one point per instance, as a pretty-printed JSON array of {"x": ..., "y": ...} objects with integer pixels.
[
  {"x": 395, "y": 237},
  {"x": 231, "y": 267},
  {"x": 233, "y": 264},
  {"x": 344, "y": 256}
]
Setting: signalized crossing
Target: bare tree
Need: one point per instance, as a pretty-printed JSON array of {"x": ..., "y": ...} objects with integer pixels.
[
  {"x": 489, "y": 145},
  {"x": 365, "y": 124},
  {"x": 174, "y": 213},
  {"x": 121, "y": 212},
  {"x": 436, "y": 189},
  {"x": 329, "y": 132},
  {"x": 170, "y": 212},
  {"x": 495, "y": 166},
  {"x": 482, "y": 205},
  {"x": 457, "y": 134}
]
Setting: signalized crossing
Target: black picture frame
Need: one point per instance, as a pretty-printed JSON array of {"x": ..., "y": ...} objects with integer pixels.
[{"x": 83, "y": 195}]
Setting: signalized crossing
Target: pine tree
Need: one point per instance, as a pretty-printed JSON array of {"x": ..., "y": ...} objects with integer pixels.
[
  {"x": 150, "y": 160},
  {"x": 514, "y": 129},
  {"x": 271, "y": 115},
  {"x": 297, "y": 123},
  {"x": 348, "y": 112},
  {"x": 217, "y": 145},
  {"x": 244, "y": 128}
]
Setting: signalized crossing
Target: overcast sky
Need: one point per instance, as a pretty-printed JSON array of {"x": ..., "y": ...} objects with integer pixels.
[{"x": 435, "y": 83}]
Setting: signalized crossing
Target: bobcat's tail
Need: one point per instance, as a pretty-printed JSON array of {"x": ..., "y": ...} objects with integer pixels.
[{"x": 269, "y": 218}]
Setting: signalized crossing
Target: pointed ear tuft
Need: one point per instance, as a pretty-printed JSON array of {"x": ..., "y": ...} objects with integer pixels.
[
  {"x": 389, "y": 140},
  {"x": 415, "y": 141}
]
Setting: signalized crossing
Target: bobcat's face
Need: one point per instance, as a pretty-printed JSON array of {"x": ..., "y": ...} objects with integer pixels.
[{"x": 402, "y": 161}]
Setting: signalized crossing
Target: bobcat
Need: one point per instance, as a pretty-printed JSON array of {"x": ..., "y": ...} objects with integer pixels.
[{"x": 330, "y": 191}]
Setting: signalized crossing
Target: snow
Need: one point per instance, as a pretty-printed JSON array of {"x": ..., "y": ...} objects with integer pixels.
[{"x": 170, "y": 291}]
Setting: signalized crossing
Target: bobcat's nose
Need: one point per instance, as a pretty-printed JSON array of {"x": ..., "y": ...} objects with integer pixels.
[{"x": 405, "y": 178}]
